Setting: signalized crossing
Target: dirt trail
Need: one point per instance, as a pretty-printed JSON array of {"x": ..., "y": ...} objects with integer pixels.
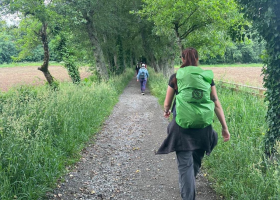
[{"x": 121, "y": 163}]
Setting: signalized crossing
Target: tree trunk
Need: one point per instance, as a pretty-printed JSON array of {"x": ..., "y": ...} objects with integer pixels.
[
  {"x": 97, "y": 51},
  {"x": 131, "y": 60},
  {"x": 170, "y": 68},
  {"x": 116, "y": 62},
  {"x": 155, "y": 64},
  {"x": 45, "y": 66},
  {"x": 157, "y": 68},
  {"x": 73, "y": 71},
  {"x": 272, "y": 83},
  {"x": 167, "y": 66}
]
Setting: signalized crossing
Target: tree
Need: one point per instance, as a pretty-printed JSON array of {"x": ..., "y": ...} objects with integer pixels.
[
  {"x": 7, "y": 45},
  {"x": 198, "y": 23},
  {"x": 183, "y": 18},
  {"x": 159, "y": 50},
  {"x": 265, "y": 16},
  {"x": 64, "y": 48},
  {"x": 40, "y": 15},
  {"x": 104, "y": 29},
  {"x": 88, "y": 19}
]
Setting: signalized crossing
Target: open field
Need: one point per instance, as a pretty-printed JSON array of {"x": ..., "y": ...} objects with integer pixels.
[
  {"x": 249, "y": 74},
  {"x": 242, "y": 75},
  {"x": 12, "y": 76}
]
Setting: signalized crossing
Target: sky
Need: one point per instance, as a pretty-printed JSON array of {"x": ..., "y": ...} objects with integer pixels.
[{"x": 13, "y": 19}]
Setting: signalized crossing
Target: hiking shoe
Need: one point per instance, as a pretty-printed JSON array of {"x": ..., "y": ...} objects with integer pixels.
[{"x": 143, "y": 93}]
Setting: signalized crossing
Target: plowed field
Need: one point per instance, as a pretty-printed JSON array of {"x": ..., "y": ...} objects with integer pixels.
[
  {"x": 13, "y": 76},
  {"x": 10, "y": 77},
  {"x": 242, "y": 75}
]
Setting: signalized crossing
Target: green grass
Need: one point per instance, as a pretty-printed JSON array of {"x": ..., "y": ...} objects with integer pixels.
[
  {"x": 236, "y": 166},
  {"x": 42, "y": 131},
  {"x": 26, "y": 64},
  {"x": 238, "y": 169},
  {"x": 229, "y": 65}
]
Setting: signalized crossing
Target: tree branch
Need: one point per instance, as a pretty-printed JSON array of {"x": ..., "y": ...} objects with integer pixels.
[
  {"x": 179, "y": 25},
  {"x": 195, "y": 27}
]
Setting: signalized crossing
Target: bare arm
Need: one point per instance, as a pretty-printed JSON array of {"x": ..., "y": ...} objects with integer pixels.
[
  {"x": 168, "y": 101},
  {"x": 220, "y": 113}
]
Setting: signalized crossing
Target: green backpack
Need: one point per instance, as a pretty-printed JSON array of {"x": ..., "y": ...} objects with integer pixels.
[{"x": 194, "y": 108}]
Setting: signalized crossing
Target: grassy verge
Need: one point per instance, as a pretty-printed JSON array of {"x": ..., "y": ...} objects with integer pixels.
[
  {"x": 26, "y": 64},
  {"x": 42, "y": 131},
  {"x": 238, "y": 168}
]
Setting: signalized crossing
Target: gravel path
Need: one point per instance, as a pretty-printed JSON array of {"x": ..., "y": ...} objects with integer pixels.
[{"x": 121, "y": 164}]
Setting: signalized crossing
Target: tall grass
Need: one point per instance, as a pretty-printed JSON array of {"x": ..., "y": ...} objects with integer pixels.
[
  {"x": 42, "y": 131},
  {"x": 238, "y": 168},
  {"x": 157, "y": 85}
]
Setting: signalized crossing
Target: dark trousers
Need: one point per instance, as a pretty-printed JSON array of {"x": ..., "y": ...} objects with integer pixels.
[{"x": 189, "y": 163}]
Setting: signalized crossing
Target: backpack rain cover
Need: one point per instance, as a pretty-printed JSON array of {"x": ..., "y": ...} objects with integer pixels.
[{"x": 194, "y": 108}]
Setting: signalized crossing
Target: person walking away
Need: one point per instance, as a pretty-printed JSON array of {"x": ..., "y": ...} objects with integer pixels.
[
  {"x": 145, "y": 65},
  {"x": 137, "y": 68},
  {"x": 142, "y": 76},
  {"x": 190, "y": 133}
]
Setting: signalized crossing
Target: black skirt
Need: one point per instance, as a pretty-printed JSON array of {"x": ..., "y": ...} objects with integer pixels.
[{"x": 186, "y": 139}]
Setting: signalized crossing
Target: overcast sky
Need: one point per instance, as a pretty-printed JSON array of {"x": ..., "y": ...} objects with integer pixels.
[
  {"x": 11, "y": 19},
  {"x": 14, "y": 19}
]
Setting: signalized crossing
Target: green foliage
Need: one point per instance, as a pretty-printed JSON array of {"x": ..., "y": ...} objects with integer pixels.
[
  {"x": 238, "y": 166},
  {"x": 13, "y": 45},
  {"x": 265, "y": 16},
  {"x": 238, "y": 169},
  {"x": 67, "y": 54},
  {"x": 102, "y": 36},
  {"x": 247, "y": 51},
  {"x": 42, "y": 131},
  {"x": 158, "y": 85},
  {"x": 27, "y": 39},
  {"x": 7, "y": 45},
  {"x": 7, "y": 49},
  {"x": 40, "y": 18},
  {"x": 201, "y": 24}
]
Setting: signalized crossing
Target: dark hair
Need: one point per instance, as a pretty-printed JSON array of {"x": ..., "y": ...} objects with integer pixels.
[{"x": 190, "y": 58}]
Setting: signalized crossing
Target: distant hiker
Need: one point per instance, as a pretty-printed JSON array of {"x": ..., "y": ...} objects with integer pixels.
[
  {"x": 142, "y": 76},
  {"x": 190, "y": 133},
  {"x": 138, "y": 66}
]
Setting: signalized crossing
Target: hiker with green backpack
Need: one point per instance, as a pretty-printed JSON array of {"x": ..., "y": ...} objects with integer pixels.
[{"x": 190, "y": 133}]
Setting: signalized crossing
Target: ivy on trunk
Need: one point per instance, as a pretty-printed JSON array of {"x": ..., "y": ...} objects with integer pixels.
[{"x": 265, "y": 16}]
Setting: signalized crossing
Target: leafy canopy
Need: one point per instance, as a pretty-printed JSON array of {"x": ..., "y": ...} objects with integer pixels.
[{"x": 203, "y": 23}]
